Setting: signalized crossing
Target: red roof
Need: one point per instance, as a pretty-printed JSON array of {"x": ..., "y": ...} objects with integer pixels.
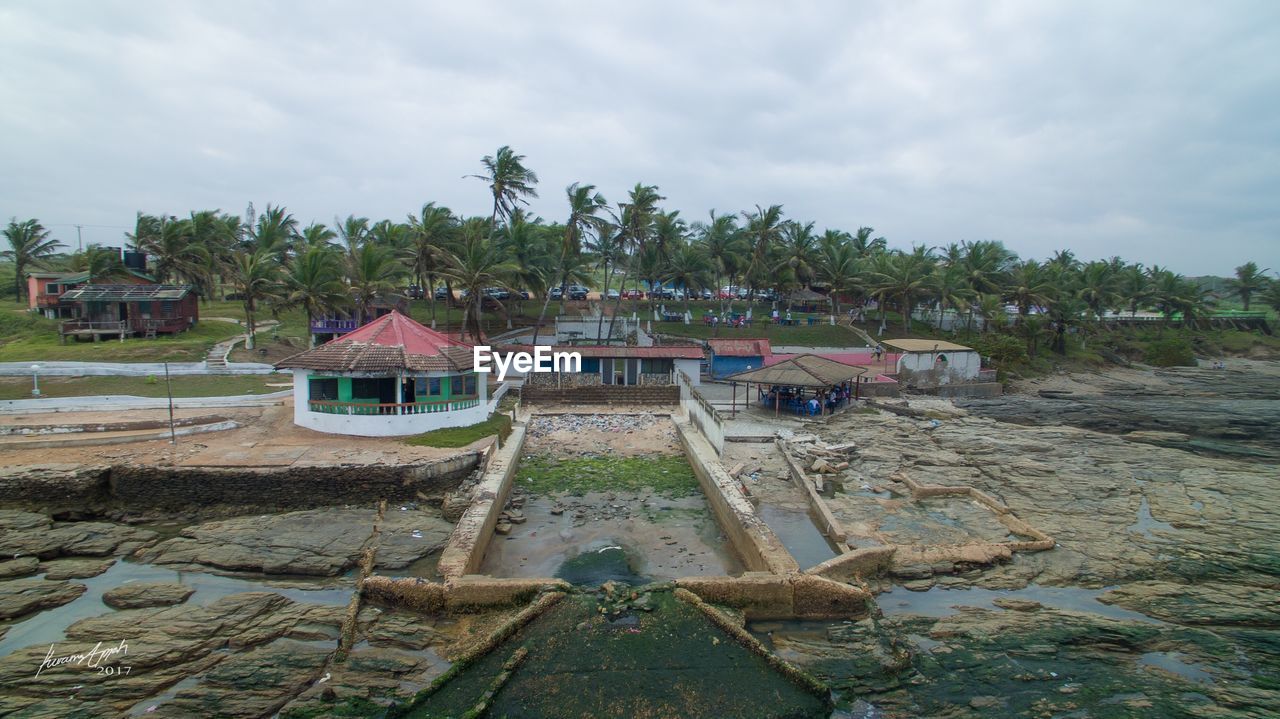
[
  {"x": 397, "y": 330},
  {"x": 667, "y": 352},
  {"x": 390, "y": 343},
  {"x": 739, "y": 347}
]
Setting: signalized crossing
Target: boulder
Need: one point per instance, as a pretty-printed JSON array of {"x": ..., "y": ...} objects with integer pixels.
[
  {"x": 137, "y": 595},
  {"x": 75, "y": 568},
  {"x": 24, "y": 596},
  {"x": 20, "y": 567}
]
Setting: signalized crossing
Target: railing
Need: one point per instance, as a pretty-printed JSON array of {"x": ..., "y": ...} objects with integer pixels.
[
  {"x": 47, "y": 301},
  {"x": 333, "y": 326},
  {"x": 391, "y": 408},
  {"x": 169, "y": 324},
  {"x": 84, "y": 326}
]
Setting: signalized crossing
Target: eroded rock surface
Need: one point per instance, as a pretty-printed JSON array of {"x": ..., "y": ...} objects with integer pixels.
[
  {"x": 322, "y": 542},
  {"x": 19, "y": 597},
  {"x": 137, "y": 595},
  {"x": 25, "y": 534}
]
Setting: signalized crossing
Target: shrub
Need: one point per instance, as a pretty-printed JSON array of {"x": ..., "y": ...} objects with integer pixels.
[{"x": 1169, "y": 352}]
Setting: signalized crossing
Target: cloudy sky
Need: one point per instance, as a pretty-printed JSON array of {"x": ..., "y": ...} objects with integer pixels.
[{"x": 1145, "y": 129}]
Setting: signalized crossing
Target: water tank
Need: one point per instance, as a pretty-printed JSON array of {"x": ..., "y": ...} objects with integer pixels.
[{"x": 135, "y": 260}]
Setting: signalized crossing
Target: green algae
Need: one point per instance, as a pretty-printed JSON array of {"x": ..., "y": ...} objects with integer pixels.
[{"x": 666, "y": 475}]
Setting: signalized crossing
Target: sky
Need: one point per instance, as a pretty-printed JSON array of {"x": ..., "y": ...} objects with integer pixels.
[{"x": 1149, "y": 130}]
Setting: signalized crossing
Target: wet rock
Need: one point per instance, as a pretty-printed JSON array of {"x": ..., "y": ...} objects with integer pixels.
[
  {"x": 1208, "y": 603},
  {"x": 137, "y": 595},
  {"x": 323, "y": 542},
  {"x": 1017, "y": 605},
  {"x": 75, "y": 568},
  {"x": 502, "y": 528},
  {"x": 912, "y": 571},
  {"x": 252, "y": 683},
  {"x": 20, "y": 567},
  {"x": 987, "y": 701},
  {"x": 31, "y": 534},
  {"x": 19, "y": 597}
]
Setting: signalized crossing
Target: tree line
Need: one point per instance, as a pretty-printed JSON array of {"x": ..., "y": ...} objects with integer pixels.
[{"x": 272, "y": 263}]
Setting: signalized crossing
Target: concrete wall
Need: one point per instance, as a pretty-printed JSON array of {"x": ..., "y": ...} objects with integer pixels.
[
  {"x": 603, "y": 394},
  {"x": 464, "y": 552},
  {"x": 922, "y": 369},
  {"x": 700, "y": 412},
  {"x": 215, "y": 489},
  {"x": 385, "y": 425},
  {"x": 755, "y": 543},
  {"x": 692, "y": 368}
]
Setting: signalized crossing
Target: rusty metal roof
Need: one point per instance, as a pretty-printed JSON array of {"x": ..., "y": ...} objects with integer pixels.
[{"x": 740, "y": 347}]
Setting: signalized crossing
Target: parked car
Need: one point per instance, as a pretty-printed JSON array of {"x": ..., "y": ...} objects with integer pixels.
[
  {"x": 577, "y": 292},
  {"x": 414, "y": 292},
  {"x": 557, "y": 293},
  {"x": 612, "y": 295},
  {"x": 442, "y": 293},
  {"x": 497, "y": 293},
  {"x": 706, "y": 294},
  {"x": 632, "y": 295}
]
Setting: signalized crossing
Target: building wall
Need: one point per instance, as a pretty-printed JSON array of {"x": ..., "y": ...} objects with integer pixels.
[
  {"x": 692, "y": 368},
  {"x": 922, "y": 369},
  {"x": 382, "y": 425},
  {"x": 725, "y": 366}
]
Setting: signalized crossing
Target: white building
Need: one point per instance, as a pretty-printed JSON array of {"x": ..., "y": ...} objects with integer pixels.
[{"x": 929, "y": 363}]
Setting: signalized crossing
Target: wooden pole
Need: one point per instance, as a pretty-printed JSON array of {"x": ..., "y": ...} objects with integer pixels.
[{"x": 168, "y": 388}]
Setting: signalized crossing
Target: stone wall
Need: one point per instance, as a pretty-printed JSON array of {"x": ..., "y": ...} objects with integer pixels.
[
  {"x": 971, "y": 389},
  {"x": 602, "y": 394},
  {"x": 464, "y": 553},
  {"x": 210, "y": 490}
]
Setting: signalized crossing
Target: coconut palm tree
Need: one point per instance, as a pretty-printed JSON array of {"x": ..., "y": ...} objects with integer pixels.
[
  {"x": 608, "y": 251},
  {"x": 354, "y": 233},
  {"x": 902, "y": 277},
  {"x": 175, "y": 256},
  {"x": 273, "y": 232},
  {"x": 145, "y": 229},
  {"x": 635, "y": 222},
  {"x": 986, "y": 264},
  {"x": 1097, "y": 284},
  {"x": 478, "y": 262},
  {"x": 763, "y": 231},
  {"x": 431, "y": 233},
  {"x": 314, "y": 283},
  {"x": 839, "y": 267},
  {"x": 1248, "y": 281},
  {"x": 509, "y": 180},
  {"x": 949, "y": 286},
  {"x": 372, "y": 274},
  {"x": 585, "y": 205},
  {"x": 1030, "y": 285},
  {"x": 1271, "y": 295},
  {"x": 1133, "y": 287},
  {"x": 865, "y": 245},
  {"x": 100, "y": 264},
  {"x": 256, "y": 278},
  {"x": 29, "y": 245},
  {"x": 797, "y": 245},
  {"x": 724, "y": 245},
  {"x": 689, "y": 267}
]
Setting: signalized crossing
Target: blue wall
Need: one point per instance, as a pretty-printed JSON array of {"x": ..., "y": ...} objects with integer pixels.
[{"x": 724, "y": 366}]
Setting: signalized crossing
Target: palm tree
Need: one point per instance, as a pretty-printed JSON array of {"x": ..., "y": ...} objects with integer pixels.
[
  {"x": 476, "y": 264},
  {"x": 1271, "y": 295},
  {"x": 990, "y": 307},
  {"x": 145, "y": 229},
  {"x": 902, "y": 276},
  {"x": 585, "y": 205},
  {"x": 431, "y": 232},
  {"x": 1097, "y": 287},
  {"x": 372, "y": 274},
  {"x": 273, "y": 232},
  {"x": 354, "y": 233},
  {"x": 1175, "y": 294},
  {"x": 1029, "y": 286},
  {"x": 509, "y": 181},
  {"x": 529, "y": 247},
  {"x": 29, "y": 245},
  {"x": 724, "y": 245},
  {"x": 608, "y": 252},
  {"x": 314, "y": 283},
  {"x": 98, "y": 263},
  {"x": 256, "y": 277},
  {"x": 986, "y": 264},
  {"x": 175, "y": 256},
  {"x": 797, "y": 249},
  {"x": 838, "y": 267},
  {"x": 949, "y": 286},
  {"x": 1248, "y": 281},
  {"x": 763, "y": 231},
  {"x": 315, "y": 235},
  {"x": 1133, "y": 287},
  {"x": 865, "y": 245},
  {"x": 635, "y": 221},
  {"x": 687, "y": 266}
]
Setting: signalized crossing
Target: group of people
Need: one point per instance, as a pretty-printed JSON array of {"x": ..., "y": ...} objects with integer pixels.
[
  {"x": 713, "y": 320},
  {"x": 829, "y": 399}
]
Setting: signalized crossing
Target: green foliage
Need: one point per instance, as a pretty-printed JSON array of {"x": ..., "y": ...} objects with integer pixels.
[
  {"x": 25, "y": 337},
  {"x": 1004, "y": 351},
  {"x": 452, "y": 437},
  {"x": 1169, "y": 352},
  {"x": 667, "y": 475}
]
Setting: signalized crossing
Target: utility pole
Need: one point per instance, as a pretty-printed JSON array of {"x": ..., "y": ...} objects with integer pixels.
[{"x": 79, "y": 240}]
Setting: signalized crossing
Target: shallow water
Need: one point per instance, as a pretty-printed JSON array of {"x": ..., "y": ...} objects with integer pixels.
[
  {"x": 50, "y": 625},
  {"x": 606, "y": 560},
  {"x": 798, "y": 534},
  {"x": 941, "y": 602},
  {"x": 1173, "y": 663}
]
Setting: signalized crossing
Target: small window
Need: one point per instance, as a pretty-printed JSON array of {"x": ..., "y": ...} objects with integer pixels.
[
  {"x": 456, "y": 385},
  {"x": 51, "y": 288},
  {"x": 470, "y": 383},
  {"x": 323, "y": 388},
  {"x": 167, "y": 308},
  {"x": 433, "y": 386}
]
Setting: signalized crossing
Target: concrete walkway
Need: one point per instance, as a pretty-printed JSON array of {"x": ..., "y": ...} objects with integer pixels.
[
  {"x": 128, "y": 369},
  {"x": 130, "y": 402}
]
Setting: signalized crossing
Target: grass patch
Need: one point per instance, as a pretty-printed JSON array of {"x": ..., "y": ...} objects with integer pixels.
[
  {"x": 453, "y": 437},
  {"x": 667, "y": 475},
  {"x": 819, "y": 335},
  {"x": 151, "y": 386},
  {"x": 25, "y": 337}
]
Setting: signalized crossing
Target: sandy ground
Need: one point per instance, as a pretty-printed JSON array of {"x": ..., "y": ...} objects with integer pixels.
[{"x": 268, "y": 438}]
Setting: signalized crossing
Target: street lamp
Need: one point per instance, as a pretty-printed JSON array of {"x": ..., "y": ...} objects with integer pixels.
[{"x": 35, "y": 380}]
